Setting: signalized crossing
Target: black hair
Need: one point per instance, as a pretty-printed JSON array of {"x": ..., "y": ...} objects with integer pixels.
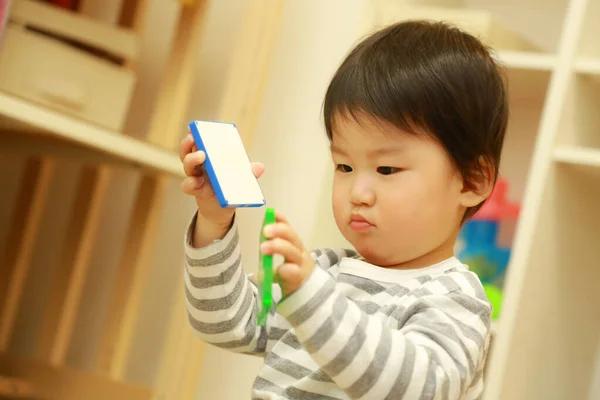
[{"x": 430, "y": 77}]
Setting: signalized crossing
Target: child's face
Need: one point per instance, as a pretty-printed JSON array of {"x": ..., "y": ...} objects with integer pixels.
[{"x": 397, "y": 198}]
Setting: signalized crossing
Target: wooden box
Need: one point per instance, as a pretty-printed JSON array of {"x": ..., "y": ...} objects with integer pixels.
[{"x": 68, "y": 62}]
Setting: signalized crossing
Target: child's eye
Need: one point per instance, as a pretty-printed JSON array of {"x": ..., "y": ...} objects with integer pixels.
[
  {"x": 343, "y": 168},
  {"x": 387, "y": 170}
]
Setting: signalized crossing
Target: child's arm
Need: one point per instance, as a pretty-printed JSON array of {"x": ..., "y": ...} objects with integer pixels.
[
  {"x": 431, "y": 346},
  {"x": 435, "y": 352},
  {"x": 221, "y": 299}
]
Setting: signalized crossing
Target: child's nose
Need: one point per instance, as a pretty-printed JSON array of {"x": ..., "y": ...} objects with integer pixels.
[{"x": 362, "y": 193}]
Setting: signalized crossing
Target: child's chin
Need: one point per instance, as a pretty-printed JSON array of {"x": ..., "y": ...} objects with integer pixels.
[{"x": 369, "y": 252}]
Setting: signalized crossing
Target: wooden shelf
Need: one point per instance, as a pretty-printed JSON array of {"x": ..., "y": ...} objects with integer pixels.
[
  {"x": 39, "y": 380},
  {"x": 579, "y": 119},
  {"x": 528, "y": 75},
  {"x": 584, "y": 156},
  {"x": 15, "y": 388},
  {"x": 526, "y": 60},
  {"x": 587, "y": 46},
  {"x": 78, "y": 138},
  {"x": 588, "y": 66}
]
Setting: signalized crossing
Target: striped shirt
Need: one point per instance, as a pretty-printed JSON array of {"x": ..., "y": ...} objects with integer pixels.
[{"x": 351, "y": 331}]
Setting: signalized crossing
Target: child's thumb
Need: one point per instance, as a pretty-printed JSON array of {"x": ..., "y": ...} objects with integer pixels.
[{"x": 258, "y": 169}]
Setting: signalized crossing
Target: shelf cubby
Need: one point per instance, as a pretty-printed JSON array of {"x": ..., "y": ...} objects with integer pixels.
[
  {"x": 557, "y": 325},
  {"x": 587, "y": 61},
  {"x": 580, "y": 118},
  {"x": 588, "y": 47},
  {"x": 507, "y": 26},
  {"x": 541, "y": 29},
  {"x": 583, "y": 156},
  {"x": 523, "y": 124}
]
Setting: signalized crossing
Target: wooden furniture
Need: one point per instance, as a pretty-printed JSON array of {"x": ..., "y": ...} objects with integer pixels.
[
  {"x": 45, "y": 134},
  {"x": 546, "y": 343},
  {"x": 54, "y": 58}
]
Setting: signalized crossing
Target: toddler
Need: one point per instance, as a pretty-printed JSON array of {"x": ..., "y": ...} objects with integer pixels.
[{"x": 416, "y": 116}]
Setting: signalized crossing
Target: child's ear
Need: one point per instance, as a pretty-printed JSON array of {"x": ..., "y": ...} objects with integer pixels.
[{"x": 479, "y": 186}]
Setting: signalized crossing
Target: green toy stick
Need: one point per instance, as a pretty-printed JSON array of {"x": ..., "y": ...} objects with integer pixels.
[{"x": 265, "y": 273}]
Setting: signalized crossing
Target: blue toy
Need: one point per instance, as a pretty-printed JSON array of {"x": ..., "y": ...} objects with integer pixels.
[
  {"x": 481, "y": 251},
  {"x": 227, "y": 164}
]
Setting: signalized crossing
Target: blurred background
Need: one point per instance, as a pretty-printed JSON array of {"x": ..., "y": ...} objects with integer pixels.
[{"x": 95, "y": 96}]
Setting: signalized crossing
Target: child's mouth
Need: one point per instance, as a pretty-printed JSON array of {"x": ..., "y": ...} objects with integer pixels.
[{"x": 359, "y": 223}]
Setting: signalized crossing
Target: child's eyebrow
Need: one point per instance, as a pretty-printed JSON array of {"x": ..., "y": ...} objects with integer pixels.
[
  {"x": 336, "y": 149},
  {"x": 383, "y": 151}
]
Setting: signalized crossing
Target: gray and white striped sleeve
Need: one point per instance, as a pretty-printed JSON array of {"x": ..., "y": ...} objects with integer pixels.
[
  {"x": 434, "y": 353},
  {"x": 220, "y": 299}
]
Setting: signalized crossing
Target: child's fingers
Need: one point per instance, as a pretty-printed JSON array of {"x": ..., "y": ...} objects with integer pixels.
[
  {"x": 192, "y": 162},
  {"x": 258, "y": 169},
  {"x": 284, "y": 231},
  {"x": 193, "y": 185},
  {"x": 292, "y": 254},
  {"x": 279, "y": 217},
  {"x": 289, "y": 276},
  {"x": 185, "y": 146},
  {"x": 289, "y": 272}
]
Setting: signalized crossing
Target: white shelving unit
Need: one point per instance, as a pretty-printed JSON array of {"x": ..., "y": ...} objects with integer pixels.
[{"x": 547, "y": 340}]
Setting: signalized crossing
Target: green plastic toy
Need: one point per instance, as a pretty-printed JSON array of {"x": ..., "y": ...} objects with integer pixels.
[
  {"x": 494, "y": 295},
  {"x": 265, "y": 273}
]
